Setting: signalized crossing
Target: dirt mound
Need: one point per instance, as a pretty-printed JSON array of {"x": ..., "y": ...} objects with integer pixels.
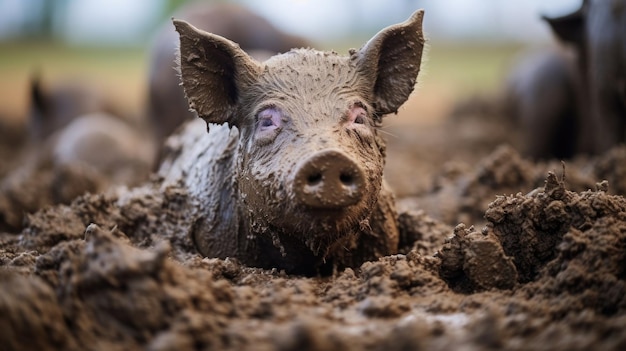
[
  {"x": 117, "y": 270},
  {"x": 461, "y": 193}
]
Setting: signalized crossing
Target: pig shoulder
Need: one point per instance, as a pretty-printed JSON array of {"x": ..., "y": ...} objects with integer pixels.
[{"x": 203, "y": 163}]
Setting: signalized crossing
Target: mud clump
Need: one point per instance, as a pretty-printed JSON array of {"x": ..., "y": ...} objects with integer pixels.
[
  {"x": 40, "y": 185},
  {"x": 476, "y": 261},
  {"x": 112, "y": 294},
  {"x": 38, "y": 314},
  {"x": 548, "y": 223}
]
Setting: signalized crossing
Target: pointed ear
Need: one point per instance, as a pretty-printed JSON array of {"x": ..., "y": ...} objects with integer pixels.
[
  {"x": 214, "y": 72},
  {"x": 38, "y": 99},
  {"x": 569, "y": 28},
  {"x": 391, "y": 61}
]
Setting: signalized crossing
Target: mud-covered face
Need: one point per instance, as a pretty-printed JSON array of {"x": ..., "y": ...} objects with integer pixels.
[
  {"x": 308, "y": 118},
  {"x": 310, "y": 159}
]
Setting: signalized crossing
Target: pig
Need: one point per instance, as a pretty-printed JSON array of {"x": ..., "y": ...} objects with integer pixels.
[
  {"x": 597, "y": 31},
  {"x": 290, "y": 173},
  {"x": 543, "y": 98},
  {"x": 92, "y": 153},
  {"x": 167, "y": 107},
  {"x": 128, "y": 155}
]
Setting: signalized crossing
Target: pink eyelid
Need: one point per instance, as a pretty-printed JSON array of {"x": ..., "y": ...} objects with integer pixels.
[
  {"x": 354, "y": 112},
  {"x": 267, "y": 115}
]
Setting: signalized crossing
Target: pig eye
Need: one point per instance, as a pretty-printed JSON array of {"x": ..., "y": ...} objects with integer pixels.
[
  {"x": 357, "y": 114},
  {"x": 266, "y": 122},
  {"x": 360, "y": 119},
  {"x": 269, "y": 119}
]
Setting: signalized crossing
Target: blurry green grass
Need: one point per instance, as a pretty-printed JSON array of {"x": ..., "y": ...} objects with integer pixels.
[
  {"x": 468, "y": 68},
  {"x": 460, "y": 70},
  {"x": 463, "y": 67},
  {"x": 119, "y": 70},
  {"x": 61, "y": 58}
]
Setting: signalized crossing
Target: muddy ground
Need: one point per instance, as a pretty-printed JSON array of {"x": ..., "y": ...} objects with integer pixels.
[{"x": 507, "y": 254}]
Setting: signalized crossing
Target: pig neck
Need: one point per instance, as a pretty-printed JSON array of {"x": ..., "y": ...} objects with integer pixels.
[
  {"x": 272, "y": 248},
  {"x": 286, "y": 252}
]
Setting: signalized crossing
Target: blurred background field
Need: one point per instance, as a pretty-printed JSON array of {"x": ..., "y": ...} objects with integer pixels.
[
  {"x": 471, "y": 43},
  {"x": 450, "y": 71},
  {"x": 119, "y": 72}
]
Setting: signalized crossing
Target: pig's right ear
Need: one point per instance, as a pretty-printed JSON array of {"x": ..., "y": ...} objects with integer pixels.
[{"x": 214, "y": 72}]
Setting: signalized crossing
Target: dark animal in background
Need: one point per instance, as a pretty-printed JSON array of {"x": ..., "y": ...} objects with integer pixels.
[
  {"x": 76, "y": 146},
  {"x": 54, "y": 106},
  {"x": 597, "y": 31},
  {"x": 167, "y": 107},
  {"x": 290, "y": 175},
  {"x": 92, "y": 153},
  {"x": 543, "y": 98},
  {"x": 572, "y": 100}
]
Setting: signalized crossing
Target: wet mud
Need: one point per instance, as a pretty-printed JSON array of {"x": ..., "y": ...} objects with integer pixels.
[{"x": 504, "y": 253}]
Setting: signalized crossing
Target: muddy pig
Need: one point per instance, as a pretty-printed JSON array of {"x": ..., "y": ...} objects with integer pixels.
[
  {"x": 167, "y": 107},
  {"x": 543, "y": 99},
  {"x": 290, "y": 174}
]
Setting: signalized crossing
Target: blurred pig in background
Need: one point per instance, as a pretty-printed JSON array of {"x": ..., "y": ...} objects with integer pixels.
[
  {"x": 543, "y": 99},
  {"x": 597, "y": 32},
  {"x": 54, "y": 106},
  {"x": 572, "y": 100},
  {"x": 76, "y": 141},
  {"x": 91, "y": 153}
]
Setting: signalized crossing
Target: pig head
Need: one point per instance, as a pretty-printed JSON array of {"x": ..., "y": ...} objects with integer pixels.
[{"x": 290, "y": 174}]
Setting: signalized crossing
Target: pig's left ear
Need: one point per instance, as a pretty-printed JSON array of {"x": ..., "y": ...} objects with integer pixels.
[
  {"x": 214, "y": 72},
  {"x": 391, "y": 61}
]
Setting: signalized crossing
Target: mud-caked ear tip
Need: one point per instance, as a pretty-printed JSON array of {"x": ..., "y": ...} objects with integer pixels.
[
  {"x": 417, "y": 17},
  {"x": 182, "y": 26},
  {"x": 416, "y": 21},
  {"x": 392, "y": 59}
]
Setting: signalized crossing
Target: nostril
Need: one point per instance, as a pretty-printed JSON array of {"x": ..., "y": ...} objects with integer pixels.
[
  {"x": 328, "y": 179},
  {"x": 346, "y": 178},
  {"x": 314, "y": 179}
]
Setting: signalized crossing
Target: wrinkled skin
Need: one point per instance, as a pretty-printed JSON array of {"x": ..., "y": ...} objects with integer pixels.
[
  {"x": 270, "y": 124},
  {"x": 598, "y": 32},
  {"x": 543, "y": 97},
  {"x": 167, "y": 106}
]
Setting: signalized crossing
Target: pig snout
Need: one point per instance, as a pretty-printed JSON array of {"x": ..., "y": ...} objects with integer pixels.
[{"x": 329, "y": 180}]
